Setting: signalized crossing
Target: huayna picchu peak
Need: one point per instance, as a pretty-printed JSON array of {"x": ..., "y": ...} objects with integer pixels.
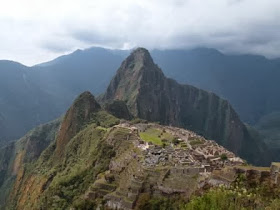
[
  {"x": 147, "y": 143},
  {"x": 152, "y": 96}
]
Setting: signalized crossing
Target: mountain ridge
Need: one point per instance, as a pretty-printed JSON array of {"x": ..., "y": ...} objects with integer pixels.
[{"x": 61, "y": 82}]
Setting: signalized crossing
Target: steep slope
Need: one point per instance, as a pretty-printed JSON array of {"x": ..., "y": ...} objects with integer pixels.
[
  {"x": 30, "y": 96},
  {"x": 23, "y": 103},
  {"x": 78, "y": 152},
  {"x": 108, "y": 163},
  {"x": 152, "y": 96},
  {"x": 3, "y": 130},
  {"x": 14, "y": 156},
  {"x": 90, "y": 69},
  {"x": 119, "y": 109},
  {"x": 268, "y": 127},
  {"x": 78, "y": 115},
  {"x": 227, "y": 75}
]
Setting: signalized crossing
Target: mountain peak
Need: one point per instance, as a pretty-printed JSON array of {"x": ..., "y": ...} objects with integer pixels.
[
  {"x": 136, "y": 70},
  {"x": 139, "y": 58},
  {"x": 141, "y": 54},
  {"x": 77, "y": 115},
  {"x": 85, "y": 96}
]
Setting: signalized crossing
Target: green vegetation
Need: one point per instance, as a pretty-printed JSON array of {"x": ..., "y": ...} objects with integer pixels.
[
  {"x": 151, "y": 135},
  {"x": 66, "y": 180},
  {"x": 243, "y": 194},
  {"x": 118, "y": 109},
  {"x": 250, "y": 167},
  {"x": 268, "y": 127},
  {"x": 218, "y": 199},
  {"x": 230, "y": 199},
  {"x": 104, "y": 119},
  {"x": 183, "y": 145},
  {"x": 147, "y": 202},
  {"x": 87, "y": 155},
  {"x": 196, "y": 142},
  {"x": 223, "y": 157},
  {"x": 175, "y": 141},
  {"x": 156, "y": 136},
  {"x": 23, "y": 152},
  {"x": 166, "y": 136},
  {"x": 138, "y": 120}
]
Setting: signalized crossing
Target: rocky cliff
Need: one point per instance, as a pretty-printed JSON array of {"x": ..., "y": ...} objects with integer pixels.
[{"x": 152, "y": 96}]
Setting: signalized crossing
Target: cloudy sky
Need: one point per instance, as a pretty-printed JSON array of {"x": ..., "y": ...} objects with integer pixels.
[{"x": 33, "y": 31}]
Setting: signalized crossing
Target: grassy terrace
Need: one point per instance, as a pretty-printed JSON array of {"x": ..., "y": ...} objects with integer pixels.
[
  {"x": 155, "y": 136},
  {"x": 249, "y": 167},
  {"x": 196, "y": 142}
]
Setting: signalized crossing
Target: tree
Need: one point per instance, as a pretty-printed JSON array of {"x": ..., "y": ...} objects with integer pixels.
[{"x": 223, "y": 157}]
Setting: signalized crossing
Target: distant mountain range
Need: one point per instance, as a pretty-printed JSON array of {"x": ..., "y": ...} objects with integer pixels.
[{"x": 33, "y": 95}]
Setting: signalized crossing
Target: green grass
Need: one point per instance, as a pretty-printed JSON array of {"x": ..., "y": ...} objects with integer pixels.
[
  {"x": 167, "y": 136},
  {"x": 102, "y": 128},
  {"x": 196, "y": 142},
  {"x": 156, "y": 136},
  {"x": 250, "y": 167},
  {"x": 183, "y": 145},
  {"x": 104, "y": 119},
  {"x": 151, "y": 135}
]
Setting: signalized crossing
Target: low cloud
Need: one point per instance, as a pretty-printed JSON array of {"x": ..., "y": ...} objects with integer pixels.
[{"x": 34, "y": 31}]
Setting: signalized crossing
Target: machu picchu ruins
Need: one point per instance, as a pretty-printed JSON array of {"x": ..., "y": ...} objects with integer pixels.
[{"x": 165, "y": 160}]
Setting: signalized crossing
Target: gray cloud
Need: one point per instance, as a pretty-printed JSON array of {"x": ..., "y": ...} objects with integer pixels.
[
  {"x": 50, "y": 28},
  {"x": 56, "y": 47}
]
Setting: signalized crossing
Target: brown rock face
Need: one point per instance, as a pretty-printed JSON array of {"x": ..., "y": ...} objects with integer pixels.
[
  {"x": 78, "y": 115},
  {"x": 152, "y": 96}
]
